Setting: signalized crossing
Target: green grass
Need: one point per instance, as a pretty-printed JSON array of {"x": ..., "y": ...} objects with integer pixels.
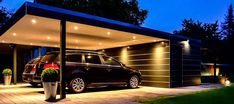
[{"x": 215, "y": 96}]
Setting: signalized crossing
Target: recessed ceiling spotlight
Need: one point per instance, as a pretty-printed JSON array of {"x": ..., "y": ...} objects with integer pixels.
[
  {"x": 76, "y": 27},
  {"x": 134, "y": 37},
  {"x": 34, "y": 21},
  {"x": 48, "y": 38},
  {"x": 14, "y": 34},
  {"x": 108, "y": 33},
  {"x": 128, "y": 47},
  {"x": 77, "y": 41}
]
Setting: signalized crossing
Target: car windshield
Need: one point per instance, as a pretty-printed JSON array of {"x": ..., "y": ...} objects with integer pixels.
[{"x": 49, "y": 58}]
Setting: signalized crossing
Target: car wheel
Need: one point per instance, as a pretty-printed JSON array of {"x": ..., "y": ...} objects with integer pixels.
[
  {"x": 77, "y": 85},
  {"x": 133, "y": 81}
]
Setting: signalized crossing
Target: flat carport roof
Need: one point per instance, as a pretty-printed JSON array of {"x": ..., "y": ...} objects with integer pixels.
[{"x": 41, "y": 25}]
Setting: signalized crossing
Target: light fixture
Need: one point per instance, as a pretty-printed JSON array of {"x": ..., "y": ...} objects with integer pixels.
[
  {"x": 134, "y": 37},
  {"x": 33, "y": 21},
  {"x": 108, "y": 33},
  {"x": 155, "y": 40},
  {"x": 14, "y": 34},
  {"x": 76, "y": 28},
  {"x": 31, "y": 44},
  {"x": 3, "y": 41},
  {"x": 128, "y": 47},
  {"x": 227, "y": 83},
  {"x": 77, "y": 41},
  {"x": 48, "y": 37}
]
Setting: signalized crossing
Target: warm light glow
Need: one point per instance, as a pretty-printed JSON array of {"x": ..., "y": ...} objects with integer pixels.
[
  {"x": 108, "y": 33},
  {"x": 99, "y": 43},
  {"x": 76, "y": 28},
  {"x": 186, "y": 46},
  {"x": 48, "y": 37},
  {"x": 89, "y": 57},
  {"x": 134, "y": 37},
  {"x": 124, "y": 55},
  {"x": 3, "y": 41},
  {"x": 14, "y": 34},
  {"x": 227, "y": 83},
  {"x": 33, "y": 21},
  {"x": 128, "y": 47},
  {"x": 55, "y": 45},
  {"x": 155, "y": 40},
  {"x": 31, "y": 44},
  {"x": 77, "y": 41}
]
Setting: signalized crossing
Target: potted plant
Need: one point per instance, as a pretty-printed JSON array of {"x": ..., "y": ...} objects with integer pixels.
[
  {"x": 7, "y": 76},
  {"x": 49, "y": 78}
]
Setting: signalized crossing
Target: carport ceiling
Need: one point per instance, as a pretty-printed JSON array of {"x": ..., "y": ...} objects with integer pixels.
[
  {"x": 40, "y": 31},
  {"x": 39, "y": 25}
]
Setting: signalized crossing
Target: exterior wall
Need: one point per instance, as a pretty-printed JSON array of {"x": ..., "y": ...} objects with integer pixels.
[
  {"x": 185, "y": 62},
  {"x": 152, "y": 59}
]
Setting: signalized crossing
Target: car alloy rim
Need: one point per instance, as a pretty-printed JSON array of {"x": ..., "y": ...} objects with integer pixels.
[
  {"x": 78, "y": 84},
  {"x": 134, "y": 81}
]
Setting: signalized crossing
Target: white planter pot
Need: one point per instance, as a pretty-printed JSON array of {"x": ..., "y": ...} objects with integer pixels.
[
  {"x": 7, "y": 79},
  {"x": 50, "y": 90}
]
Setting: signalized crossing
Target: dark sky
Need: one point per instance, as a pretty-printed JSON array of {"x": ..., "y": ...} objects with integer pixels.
[{"x": 166, "y": 15}]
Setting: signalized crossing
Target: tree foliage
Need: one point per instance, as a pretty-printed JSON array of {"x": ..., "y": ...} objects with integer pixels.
[
  {"x": 228, "y": 25},
  {"x": 122, "y": 10},
  {"x": 4, "y": 16},
  {"x": 199, "y": 30}
]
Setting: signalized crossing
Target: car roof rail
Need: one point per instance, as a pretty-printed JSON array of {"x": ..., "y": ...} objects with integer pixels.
[{"x": 81, "y": 51}]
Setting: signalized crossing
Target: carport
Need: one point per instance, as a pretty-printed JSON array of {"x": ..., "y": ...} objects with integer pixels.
[{"x": 41, "y": 25}]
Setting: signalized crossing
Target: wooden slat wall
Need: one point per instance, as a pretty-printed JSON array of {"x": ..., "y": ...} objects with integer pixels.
[
  {"x": 152, "y": 59},
  {"x": 185, "y": 67}
]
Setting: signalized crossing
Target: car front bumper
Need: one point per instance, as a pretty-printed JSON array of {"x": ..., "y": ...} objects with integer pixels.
[{"x": 28, "y": 77}]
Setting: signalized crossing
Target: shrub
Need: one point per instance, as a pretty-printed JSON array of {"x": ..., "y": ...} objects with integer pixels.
[
  {"x": 7, "y": 71},
  {"x": 49, "y": 75}
]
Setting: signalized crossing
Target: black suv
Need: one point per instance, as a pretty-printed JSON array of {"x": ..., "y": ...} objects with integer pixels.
[{"x": 84, "y": 69}]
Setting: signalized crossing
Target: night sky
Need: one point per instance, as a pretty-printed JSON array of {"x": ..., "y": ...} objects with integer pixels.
[{"x": 166, "y": 15}]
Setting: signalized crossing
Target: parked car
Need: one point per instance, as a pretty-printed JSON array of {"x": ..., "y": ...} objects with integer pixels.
[{"x": 85, "y": 69}]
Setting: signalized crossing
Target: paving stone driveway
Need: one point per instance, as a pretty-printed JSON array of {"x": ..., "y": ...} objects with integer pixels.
[{"x": 24, "y": 93}]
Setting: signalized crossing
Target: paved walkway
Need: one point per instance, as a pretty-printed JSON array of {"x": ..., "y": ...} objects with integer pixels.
[{"x": 25, "y": 94}]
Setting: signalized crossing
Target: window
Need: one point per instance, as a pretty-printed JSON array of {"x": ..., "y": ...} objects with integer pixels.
[
  {"x": 110, "y": 61},
  {"x": 74, "y": 58},
  {"x": 93, "y": 59},
  {"x": 34, "y": 61},
  {"x": 49, "y": 58}
]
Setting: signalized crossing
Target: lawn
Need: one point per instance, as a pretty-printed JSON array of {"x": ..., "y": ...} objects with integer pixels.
[{"x": 215, "y": 96}]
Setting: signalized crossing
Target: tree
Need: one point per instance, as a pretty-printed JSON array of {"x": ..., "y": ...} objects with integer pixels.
[
  {"x": 228, "y": 25},
  {"x": 4, "y": 16},
  {"x": 198, "y": 30},
  {"x": 122, "y": 10}
]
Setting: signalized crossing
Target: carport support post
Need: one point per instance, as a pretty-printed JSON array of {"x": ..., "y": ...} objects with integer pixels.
[
  {"x": 62, "y": 58},
  {"x": 15, "y": 64}
]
